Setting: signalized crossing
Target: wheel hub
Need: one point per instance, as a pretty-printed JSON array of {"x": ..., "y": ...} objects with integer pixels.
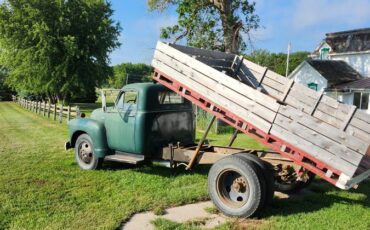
[
  {"x": 233, "y": 189},
  {"x": 239, "y": 185},
  {"x": 85, "y": 152}
]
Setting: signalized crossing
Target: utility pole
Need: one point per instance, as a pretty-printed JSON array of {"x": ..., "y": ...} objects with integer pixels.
[
  {"x": 287, "y": 61},
  {"x": 126, "y": 78}
]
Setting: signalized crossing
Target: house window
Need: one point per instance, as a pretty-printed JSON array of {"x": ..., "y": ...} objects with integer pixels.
[
  {"x": 312, "y": 86},
  {"x": 324, "y": 53},
  {"x": 361, "y": 100}
]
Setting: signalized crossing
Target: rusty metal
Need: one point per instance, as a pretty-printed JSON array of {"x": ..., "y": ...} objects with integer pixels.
[
  {"x": 196, "y": 152},
  {"x": 207, "y": 154},
  {"x": 232, "y": 188},
  {"x": 233, "y": 137}
]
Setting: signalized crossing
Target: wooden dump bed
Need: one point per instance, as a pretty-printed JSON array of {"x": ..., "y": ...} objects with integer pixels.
[{"x": 327, "y": 137}]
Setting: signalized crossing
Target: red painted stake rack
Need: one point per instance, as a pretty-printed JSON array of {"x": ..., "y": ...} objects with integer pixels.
[{"x": 287, "y": 150}]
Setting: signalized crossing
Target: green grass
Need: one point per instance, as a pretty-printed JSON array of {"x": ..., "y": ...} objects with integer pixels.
[
  {"x": 164, "y": 224},
  {"x": 41, "y": 187}
]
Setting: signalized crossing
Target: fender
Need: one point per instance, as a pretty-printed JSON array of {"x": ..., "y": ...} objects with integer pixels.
[{"x": 96, "y": 131}]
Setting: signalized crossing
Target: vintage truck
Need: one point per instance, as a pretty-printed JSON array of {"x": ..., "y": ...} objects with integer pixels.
[{"x": 309, "y": 133}]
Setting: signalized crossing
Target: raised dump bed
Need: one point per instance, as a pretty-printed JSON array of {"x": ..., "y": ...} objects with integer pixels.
[{"x": 329, "y": 138}]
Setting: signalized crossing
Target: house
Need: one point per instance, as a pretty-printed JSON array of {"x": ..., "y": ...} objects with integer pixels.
[
  {"x": 351, "y": 46},
  {"x": 340, "y": 67}
]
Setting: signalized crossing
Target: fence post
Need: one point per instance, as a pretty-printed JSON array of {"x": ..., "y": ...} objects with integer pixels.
[
  {"x": 68, "y": 113},
  {"x": 55, "y": 112},
  {"x": 44, "y": 107},
  {"x": 40, "y": 107},
  {"x": 37, "y": 107},
  {"x": 49, "y": 107},
  {"x": 78, "y": 112},
  {"x": 60, "y": 113}
]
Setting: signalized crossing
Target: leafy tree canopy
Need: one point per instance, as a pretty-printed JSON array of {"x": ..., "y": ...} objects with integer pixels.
[
  {"x": 277, "y": 61},
  {"x": 129, "y": 73},
  {"x": 57, "y": 47},
  {"x": 210, "y": 24}
]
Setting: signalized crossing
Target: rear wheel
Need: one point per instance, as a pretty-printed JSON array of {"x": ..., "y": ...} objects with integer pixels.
[
  {"x": 288, "y": 181},
  {"x": 236, "y": 186},
  {"x": 266, "y": 171},
  {"x": 84, "y": 153}
]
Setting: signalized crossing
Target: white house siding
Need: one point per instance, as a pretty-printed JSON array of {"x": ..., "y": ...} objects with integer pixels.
[
  {"x": 306, "y": 75},
  {"x": 359, "y": 61},
  {"x": 346, "y": 98}
]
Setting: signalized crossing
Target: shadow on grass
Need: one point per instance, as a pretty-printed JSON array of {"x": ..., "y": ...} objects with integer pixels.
[
  {"x": 155, "y": 169},
  {"x": 318, "y": 196}
]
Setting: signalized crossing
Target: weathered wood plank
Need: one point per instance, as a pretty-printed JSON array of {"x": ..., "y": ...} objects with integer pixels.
[
  {"x": 217, "y": 87},
  {"x": 273, "y": 84},
  {"x": 313, "y": 150},
  {"x": 212, "y": 96},
  {"x": 287, "y": 89},
  {"x": 277, "y": 77},
  {"x": 220, "y": 77},
  {"x": 332, "y": 112},
  {"x": 328, "y": 119},
  {"x": 326, "y": 130},
  {"x": 360, "y": 124},
  {"x": 362, "y": 115},
  {"x": 319, "y": 140}
]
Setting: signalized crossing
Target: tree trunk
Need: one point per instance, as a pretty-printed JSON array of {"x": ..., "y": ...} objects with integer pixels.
[{"x": 230, "y": 27}]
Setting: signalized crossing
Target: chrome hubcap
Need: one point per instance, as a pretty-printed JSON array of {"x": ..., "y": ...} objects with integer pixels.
[{"x": 85, "y": 152}]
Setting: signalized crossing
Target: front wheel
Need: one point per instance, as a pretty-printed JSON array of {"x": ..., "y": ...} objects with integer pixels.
[{"x": 84, "y": 153}]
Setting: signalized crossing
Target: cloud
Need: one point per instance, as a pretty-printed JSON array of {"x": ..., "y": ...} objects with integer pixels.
[{"x": 315, "y": 12}]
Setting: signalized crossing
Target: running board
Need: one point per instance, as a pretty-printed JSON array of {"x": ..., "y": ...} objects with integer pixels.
[{"x": 125, "y": 158}]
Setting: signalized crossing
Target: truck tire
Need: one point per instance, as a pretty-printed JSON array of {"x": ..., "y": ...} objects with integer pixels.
[
  {"x": 84, "y": 153},
  {"x": 295, "y": 186},
  {"x": 267, "y": 172},
  {"x": 236, "y": 187}
]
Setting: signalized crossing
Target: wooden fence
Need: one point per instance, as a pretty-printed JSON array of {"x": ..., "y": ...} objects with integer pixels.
[{"x": 54, "y": 111}]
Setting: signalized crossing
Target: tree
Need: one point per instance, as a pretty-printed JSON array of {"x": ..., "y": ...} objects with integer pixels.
[
  {"x": 129, "y": 73},
  {"x": 211, "y": 24},
  {"x": 5, "y": 91},
  {"x": 277, "y": 61},
  {"x": 58, "y": 47}
]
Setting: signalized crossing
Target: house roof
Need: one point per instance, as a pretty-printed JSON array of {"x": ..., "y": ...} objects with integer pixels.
[
  {"x": 363, "y": 83},
  {"x": 349, "y": 41},
  {"x": 336, "y": 72}
]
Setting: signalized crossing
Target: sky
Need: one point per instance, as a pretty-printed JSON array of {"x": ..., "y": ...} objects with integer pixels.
[{"x": 303, "y": 23}]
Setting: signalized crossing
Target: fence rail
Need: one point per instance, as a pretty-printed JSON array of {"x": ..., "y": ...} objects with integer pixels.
[{"x": 54, "y": 111}]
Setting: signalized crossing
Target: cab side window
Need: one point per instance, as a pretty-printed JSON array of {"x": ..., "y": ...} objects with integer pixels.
[{"x": 127, "y": 101}]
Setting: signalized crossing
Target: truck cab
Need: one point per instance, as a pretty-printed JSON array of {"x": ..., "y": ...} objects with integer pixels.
[{"x": 145, "y": 118}]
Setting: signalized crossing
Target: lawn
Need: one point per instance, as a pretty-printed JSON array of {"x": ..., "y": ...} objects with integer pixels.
[{"x": 41, "y": 186}]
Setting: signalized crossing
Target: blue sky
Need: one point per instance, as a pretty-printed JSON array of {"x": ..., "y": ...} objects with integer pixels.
[{"x": 301, "y": 22}]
